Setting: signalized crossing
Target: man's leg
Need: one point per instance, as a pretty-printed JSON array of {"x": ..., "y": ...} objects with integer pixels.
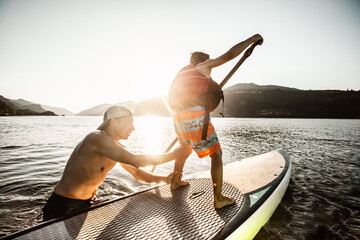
[
  {"x": 178, "y": 167},
  {"x": 217, "y": 178}
]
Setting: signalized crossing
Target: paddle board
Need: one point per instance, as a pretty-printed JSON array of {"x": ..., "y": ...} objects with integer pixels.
[{"x": 257, "y": 183}]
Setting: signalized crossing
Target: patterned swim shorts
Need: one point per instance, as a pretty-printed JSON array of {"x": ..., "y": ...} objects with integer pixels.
[{"x": 189, "y": 127}]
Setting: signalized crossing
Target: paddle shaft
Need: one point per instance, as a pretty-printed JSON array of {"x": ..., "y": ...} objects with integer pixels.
[
  {"x": 171, "y": 145},
  {"x": 167, "y": 150},
  {"x": 247, "y": 53}
]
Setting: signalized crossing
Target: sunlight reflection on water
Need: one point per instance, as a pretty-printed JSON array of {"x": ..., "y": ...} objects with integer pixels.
[
  {"x": 153, "y": 132},
  {"x": 325, "y": 155}
]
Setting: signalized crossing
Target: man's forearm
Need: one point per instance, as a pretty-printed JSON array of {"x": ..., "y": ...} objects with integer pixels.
[
  {"x": 143, "y": 175},
  {"x": 230, "y": 54},
  {"x": 239, "y": 48},
  {"x": 150, "y": 160},
  {"x": 148, "y": 177},
  {"x": 151, "y": 178},
  {"x": 161, "y": 158}
]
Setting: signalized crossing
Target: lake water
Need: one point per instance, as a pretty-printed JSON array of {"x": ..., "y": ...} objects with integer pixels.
[{"x": 322, "y": 201}]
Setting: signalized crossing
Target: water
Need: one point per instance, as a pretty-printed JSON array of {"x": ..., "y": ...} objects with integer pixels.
[{"x": 321, "y": 201}]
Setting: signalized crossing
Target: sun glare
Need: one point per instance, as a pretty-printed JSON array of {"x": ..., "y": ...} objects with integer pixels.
[{"x": 153, "y": 133}]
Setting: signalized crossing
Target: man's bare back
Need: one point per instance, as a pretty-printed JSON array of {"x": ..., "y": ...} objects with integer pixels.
[{"x": 201, "y": 63}]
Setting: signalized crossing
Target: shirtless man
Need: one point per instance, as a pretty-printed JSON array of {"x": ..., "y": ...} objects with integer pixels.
[
  {"x": 190, "y": 114},
  {"x": 94, "y": 157}
]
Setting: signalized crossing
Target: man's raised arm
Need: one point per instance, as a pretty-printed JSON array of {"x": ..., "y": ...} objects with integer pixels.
[{"x": 231, "y": 53}]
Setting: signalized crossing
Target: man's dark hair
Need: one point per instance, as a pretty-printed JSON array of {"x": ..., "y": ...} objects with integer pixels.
[{"x": 198, "y": 57}]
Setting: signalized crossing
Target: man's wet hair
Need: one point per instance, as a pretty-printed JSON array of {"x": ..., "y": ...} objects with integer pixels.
[{"x": 198, "y": 57}]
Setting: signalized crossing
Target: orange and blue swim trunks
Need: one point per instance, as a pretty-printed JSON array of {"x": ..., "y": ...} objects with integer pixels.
[{"x": 189, "y": 127}]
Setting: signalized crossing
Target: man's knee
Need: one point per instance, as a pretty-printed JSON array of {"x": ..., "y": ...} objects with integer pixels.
[
  {"x": 217, "y": 154},
  {"x": 188, "y": 152}
]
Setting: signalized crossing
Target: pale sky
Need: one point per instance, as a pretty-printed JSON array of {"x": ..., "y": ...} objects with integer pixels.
[{"x": 78, "y": 54}]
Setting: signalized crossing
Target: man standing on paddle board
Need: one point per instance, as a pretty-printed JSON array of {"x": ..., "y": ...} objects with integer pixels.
[
  {"x": 193, "y": 94},
  {"x": 95, "y": 156}
]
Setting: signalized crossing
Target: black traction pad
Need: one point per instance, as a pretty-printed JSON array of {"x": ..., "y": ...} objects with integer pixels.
[{"x": 159, "y": 213}]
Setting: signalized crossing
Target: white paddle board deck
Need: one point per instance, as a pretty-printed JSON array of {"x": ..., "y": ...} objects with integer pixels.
[{"x": 257, "y": 184}]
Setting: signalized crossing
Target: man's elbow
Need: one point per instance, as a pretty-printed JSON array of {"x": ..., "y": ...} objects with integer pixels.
[
  {"x": 136, "y": 163},
  {"x": 132, "y": 160},
  {"x": 139, "y": 175}
]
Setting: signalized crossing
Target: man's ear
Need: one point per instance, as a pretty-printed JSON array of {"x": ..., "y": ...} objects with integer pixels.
[
  {"x": 112, "y": 121},
  {"x": 120, "y": 120}
]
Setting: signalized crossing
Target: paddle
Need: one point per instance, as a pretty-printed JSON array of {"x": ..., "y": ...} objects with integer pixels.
[{"x": 247, "y": 53}]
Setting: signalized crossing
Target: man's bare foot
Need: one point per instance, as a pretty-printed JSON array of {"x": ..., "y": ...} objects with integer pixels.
[
  {"x": 170, "y": 177},
  {"x": 178, "y": 183},
  {"x": 223, "y": 201}
]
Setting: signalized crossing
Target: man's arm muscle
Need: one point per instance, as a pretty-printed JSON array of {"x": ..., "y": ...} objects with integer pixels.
[
  {"x": 230, "y": 54},
  {"x": 107, "y": 146}
]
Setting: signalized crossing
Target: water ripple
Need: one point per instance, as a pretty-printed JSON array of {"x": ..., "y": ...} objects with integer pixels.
[{"x": 321, "y": 202}]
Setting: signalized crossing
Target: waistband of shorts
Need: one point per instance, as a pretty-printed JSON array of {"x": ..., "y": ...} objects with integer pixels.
[
  {"x": 72, "y": 200},
  {"x": 195, "y": 108}
]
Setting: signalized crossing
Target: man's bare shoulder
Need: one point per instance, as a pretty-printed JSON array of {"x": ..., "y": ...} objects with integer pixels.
[
  {"x": 213, "y": 63},
  {"x": 96, "y": 137},
  {"x": 205, "y": 67},
  {"x": 101, "y": 140},
  {"x": 96, "y": 133}
]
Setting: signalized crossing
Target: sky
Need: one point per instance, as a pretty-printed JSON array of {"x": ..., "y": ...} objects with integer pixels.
[{"x": 78, "y": 54}]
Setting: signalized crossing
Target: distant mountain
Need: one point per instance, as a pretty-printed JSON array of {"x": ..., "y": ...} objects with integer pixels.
[
  {"x": 275, "y": 101},
  {"x": 58, "y": 111},
  {"x": 159, "y": 105},
  {"x": 7, "y": 108},
  {"x": 253, "y": 87},
  {"x": 154, "y": 106},
  {"x": 20, "y": 102},
  {"x": 99, "y": 110},
  {"x": 21, "y": 107},
  {"x": 23, "y": 104},
  {"x": 251, "y": 100},
  {"x": 241, "y": 100},
  {"x": 94, "y": 111}
]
